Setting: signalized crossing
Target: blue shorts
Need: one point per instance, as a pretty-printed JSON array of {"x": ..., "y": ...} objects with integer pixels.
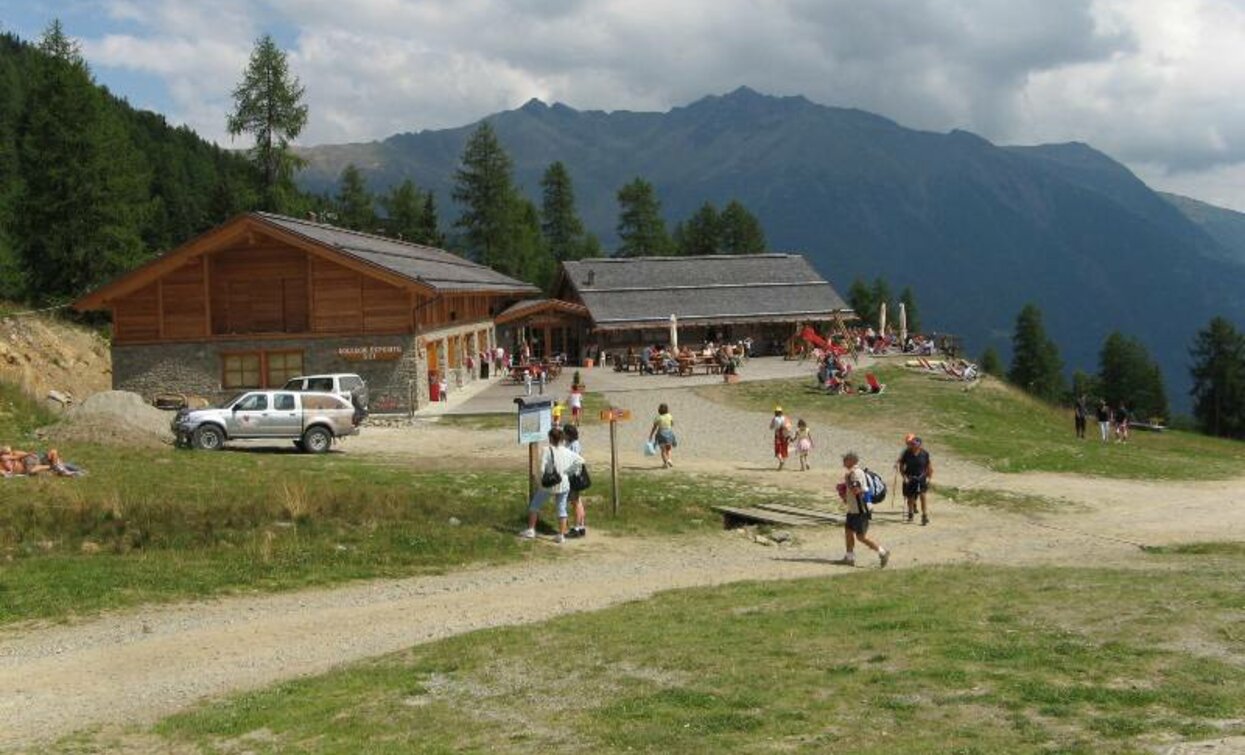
[{"x": 542, "y": 495}]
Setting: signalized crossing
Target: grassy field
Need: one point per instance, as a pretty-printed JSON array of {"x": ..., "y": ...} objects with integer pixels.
[
  {"x": 994, "y": 424},
  {"x": 950, "y": 659},
  {"x": 148, "y": 526}
]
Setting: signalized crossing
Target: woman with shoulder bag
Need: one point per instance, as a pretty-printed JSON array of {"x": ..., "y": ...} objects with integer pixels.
[{"x": 558, "y": 463}]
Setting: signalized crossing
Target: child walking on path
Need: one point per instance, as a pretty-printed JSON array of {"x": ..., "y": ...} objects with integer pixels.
[
  {"x": 854, "y": 490},
  {"x": 780, "y": 426},
  {"x": 803, "y": 443}
]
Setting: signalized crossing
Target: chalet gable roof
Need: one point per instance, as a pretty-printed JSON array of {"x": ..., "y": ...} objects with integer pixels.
[
  {"x": 714, "y": 289},
  {"x": 398, "y": 262}
]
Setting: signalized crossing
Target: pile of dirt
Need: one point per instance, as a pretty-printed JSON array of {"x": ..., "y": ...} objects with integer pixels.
[
  {"x": 43, "y": 354},
  {"x": 115, "y": 418}
]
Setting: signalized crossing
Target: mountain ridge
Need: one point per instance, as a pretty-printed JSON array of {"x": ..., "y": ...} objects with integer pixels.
[{"x": 975, "y": 228}]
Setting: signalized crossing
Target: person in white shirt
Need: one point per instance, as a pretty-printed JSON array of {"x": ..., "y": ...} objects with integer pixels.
[{"x": 566, "y": 463}]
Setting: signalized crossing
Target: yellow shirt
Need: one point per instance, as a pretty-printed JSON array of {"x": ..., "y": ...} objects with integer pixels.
[{"x": 665, "y": 421}]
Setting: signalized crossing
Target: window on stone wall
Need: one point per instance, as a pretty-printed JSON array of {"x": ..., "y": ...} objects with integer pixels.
[
  {"x": 241, "y": 370},
  {"x": 282, "y": 365}
]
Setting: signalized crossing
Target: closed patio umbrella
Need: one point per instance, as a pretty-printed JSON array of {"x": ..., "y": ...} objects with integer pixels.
[
  {"x": 903, "y": 323},
  {"x": 674, "y": 333}
]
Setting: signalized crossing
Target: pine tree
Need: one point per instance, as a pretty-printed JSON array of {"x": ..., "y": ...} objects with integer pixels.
[
  {"x": 12, "y": 271},
  {"x": 1218, "y": 372},
  {"x": 990, "y": 363},
  {"x": 860, "y": 298},
  {"x": 641, "y": 229},
  {"x": 701, "y": 233},
  {"x": 84, "y": 195},
  {"x": 908, "y": 299},
  {"x": 740, "y": 231},
  {"x": 1036, "y": 366},
  {"x": 559, "y": 222},
  {"x": 1126, "y": 373},
  {"x": 483, "y": 185},
  {"x": 268, "y": 104},
  {"x": 355, "y": 204}
]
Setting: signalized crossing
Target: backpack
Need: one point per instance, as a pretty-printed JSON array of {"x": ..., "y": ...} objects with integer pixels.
[{"x": 876, "y": 487}]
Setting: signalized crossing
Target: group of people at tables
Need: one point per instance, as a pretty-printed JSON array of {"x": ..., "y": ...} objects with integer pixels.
[
  {"x": 14, "y": 462},
  {"x": 658, "y": 359}
]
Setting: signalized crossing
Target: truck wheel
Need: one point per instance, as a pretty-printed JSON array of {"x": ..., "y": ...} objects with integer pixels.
[
  {"x": 317, "y": 440},
  {"x": 209, "y": 438}
]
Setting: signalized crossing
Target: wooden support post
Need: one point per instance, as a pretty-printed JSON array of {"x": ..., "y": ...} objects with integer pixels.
[{"x": 614, "y": 463}]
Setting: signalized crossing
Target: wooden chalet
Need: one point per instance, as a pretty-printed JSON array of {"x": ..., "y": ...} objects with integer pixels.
[
  {"x": 611, "y": 303},
  {"x": 265, "y": 297}
]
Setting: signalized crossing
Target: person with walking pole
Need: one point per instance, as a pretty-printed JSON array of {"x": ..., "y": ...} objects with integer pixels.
[{"x": 915, "y": 466}]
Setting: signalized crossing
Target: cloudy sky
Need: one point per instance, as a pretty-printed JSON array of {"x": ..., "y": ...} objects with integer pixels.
[{"x": 1157, "y": 84}]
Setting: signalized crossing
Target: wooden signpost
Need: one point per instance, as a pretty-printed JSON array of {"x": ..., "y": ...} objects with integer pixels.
[{"x": 614, "y": 415}]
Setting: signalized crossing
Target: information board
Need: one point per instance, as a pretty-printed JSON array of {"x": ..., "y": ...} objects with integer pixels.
[{"x": 535, "y": 421}]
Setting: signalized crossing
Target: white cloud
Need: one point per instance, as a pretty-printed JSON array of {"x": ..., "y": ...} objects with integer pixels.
[{"x": 1152, "y": 82}]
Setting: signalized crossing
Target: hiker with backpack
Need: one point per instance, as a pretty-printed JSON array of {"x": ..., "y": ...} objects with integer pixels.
[
  {"x": 916, "y": 469},
  {"x": 860, "y": 490}
]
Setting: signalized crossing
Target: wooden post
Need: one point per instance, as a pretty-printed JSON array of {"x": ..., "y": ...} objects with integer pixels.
[{"x": 614, "y": 460}]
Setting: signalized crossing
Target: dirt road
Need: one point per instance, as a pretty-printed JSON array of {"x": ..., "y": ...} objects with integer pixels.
[{"x": 139, "y": 666}]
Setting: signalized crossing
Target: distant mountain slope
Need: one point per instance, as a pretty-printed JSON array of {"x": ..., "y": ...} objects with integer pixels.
[
  {"x": 1227, "y": 227},
  {"x": 978, "y": 230}
]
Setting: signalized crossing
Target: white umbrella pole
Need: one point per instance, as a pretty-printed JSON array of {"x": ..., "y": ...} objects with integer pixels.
[
  {"x": 674, "y": 333},
  {"x": 882, "y": 319},
  {"x": 903, "y": 322}
]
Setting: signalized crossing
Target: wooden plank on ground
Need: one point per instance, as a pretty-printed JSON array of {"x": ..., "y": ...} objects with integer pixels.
[
  {"x": 804, "y": 511},
  {"x": 763, "y": 516}
]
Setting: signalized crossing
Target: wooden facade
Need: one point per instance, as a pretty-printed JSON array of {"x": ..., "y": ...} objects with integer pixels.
[
  {"x": 270, "y": 296},
  {"x": 258, "y": 284}
]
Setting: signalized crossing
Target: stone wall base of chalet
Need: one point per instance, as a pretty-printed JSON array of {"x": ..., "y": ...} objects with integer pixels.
[{"x": 395, "y": 367}]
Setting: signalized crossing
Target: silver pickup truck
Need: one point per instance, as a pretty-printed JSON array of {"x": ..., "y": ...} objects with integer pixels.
[{"x": 312, "y": 420}]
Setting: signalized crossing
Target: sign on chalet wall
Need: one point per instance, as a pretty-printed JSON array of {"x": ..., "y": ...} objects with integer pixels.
[{"x": 370, "y": 353}]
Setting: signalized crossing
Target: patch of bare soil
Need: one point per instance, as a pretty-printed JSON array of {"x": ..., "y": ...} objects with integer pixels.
[{"x": 41, "y": 354}]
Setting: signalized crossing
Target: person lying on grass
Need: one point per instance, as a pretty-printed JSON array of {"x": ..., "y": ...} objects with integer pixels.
[{"x": 14, "y": 462}]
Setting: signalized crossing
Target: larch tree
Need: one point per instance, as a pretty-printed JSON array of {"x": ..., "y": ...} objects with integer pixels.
[
  {"x": 268, "y": 105},
  {"x": 1218, "y": 372},
  {"x": 860, "y": 299},
  {"x": 701, "y": 233},
  {"x": 430, "y": 224},
  {"x": 1126, "y": 373},
  {"x": 355, "y": 204},
  {"x": 484, "y": 187},
  {"x": 990, "y": 363},
  {"x": 560, "y": 223},
  {"x": 641, "y": 228},
  {"x": 404, "y": 204},
  {"x": 1036, "y": 366},
  {"x": 739, "y": 231}
]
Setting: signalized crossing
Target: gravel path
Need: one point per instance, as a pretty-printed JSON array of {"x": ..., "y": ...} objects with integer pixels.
[{"x": 136, "y": 667}]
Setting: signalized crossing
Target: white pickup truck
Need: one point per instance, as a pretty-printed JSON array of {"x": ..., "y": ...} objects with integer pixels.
[{"x": 312, "y": 420}]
